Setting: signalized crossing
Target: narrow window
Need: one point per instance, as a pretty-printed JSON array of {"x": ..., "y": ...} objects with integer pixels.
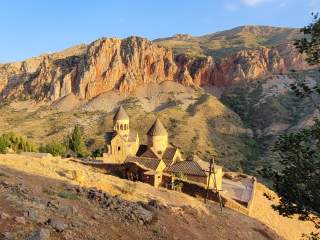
[{"x": 119, "y": 148}]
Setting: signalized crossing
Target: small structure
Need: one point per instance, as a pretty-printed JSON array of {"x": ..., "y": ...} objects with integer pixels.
[
  {"x": 150, "y": 162},
  {"x": 197, "y": 170},
  {"x": 148, "y": 170}
]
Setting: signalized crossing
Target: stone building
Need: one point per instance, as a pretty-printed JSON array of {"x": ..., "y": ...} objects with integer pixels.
[
  {"x": 155, "y": 161},
  {"x": 122, "y": 141},
  {"x": 196, "y": 170}
]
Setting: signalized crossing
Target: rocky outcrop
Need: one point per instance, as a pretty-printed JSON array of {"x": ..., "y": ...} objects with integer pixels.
[
  {"x": 252, "y": 64},
  {"x": 107, "y": 64}
]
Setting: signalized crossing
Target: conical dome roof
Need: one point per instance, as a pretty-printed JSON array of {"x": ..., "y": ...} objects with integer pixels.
[
  {"x": 157, "y": 129},
  {"x": 121, "y": 114}
]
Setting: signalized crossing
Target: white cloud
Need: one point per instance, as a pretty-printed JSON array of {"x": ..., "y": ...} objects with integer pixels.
[{"x": 253, "y": 3}]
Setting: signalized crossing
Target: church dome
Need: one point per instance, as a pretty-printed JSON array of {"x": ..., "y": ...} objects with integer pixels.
[
  {"x": 157, "y": 129},
  {"x": 121, "y": 114}
]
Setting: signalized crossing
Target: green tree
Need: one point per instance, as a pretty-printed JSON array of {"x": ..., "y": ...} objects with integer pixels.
[
  {"x": 54, "y": 148},
  {"x": 297, "y": 179},
  {"x": 76, "y": 142},
  {"x": 310, "y": 43},
  {"x": 97, "y": 153}
]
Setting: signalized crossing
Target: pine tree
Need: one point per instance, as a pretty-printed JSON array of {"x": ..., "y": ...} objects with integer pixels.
[{"x": 76, "y": 142}]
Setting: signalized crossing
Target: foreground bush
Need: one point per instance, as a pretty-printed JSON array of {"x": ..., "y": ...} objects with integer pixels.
[
  {"x": 16, "y": 143},
  {"x": 55, "y": 148}
]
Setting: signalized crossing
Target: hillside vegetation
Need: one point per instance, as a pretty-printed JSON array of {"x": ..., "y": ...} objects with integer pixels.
[
  {"x": 197, "y": 122},
  {"x": 269, "y": 108}
]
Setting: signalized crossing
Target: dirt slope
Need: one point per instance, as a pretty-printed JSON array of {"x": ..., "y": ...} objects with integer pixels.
[
  {"x": 183, "y": 217},
  {"x": 35, "y": 190}
]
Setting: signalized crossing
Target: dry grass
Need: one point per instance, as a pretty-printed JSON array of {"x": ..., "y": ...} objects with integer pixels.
[
  {"x": 290, "y": 229},
  {"x": 196, "y": 123},
  {"x": 90, "y": 177}
]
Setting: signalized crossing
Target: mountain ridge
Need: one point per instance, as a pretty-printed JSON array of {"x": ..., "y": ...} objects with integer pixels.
[
  {"x": 223, "y": 43},
  {"x": 123, "y": 64}
]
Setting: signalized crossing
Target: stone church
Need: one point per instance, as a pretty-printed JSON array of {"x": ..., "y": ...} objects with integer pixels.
[
  {"x": 121, "y": 142},
  {"x": 152, "y": 162}
]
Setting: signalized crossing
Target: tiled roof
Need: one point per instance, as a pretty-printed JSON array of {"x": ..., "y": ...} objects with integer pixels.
[
  {"x": 157, "y": 129},
  {"x": 149, "y": 163},
  {"x": 150, "y": 154},
  {"x": 204, "y": 165},
  {"x": 186, "y": 167},
  {"x": 142, "y": 149},
  {"x": 109, "y": 136},
  {"x": 121, "y": 114},
  {"x": 168, "y": 155}
]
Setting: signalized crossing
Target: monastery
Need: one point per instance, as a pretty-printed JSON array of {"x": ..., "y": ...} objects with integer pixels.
[{"x": 157, "y": 160}]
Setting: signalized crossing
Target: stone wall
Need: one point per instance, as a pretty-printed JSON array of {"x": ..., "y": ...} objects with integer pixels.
[
  {"x": 199, "y": 191},
  {"x": 251, "y": 201}
]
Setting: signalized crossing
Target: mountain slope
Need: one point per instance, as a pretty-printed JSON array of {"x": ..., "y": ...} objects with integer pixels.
[
  {"x": 197, "y": 122},
  {"x": 224, "y": 43},
  {"x": 109, "y": 64},
  {"x": 269, "y": 108},
  {"x": 87, "y": 82}
]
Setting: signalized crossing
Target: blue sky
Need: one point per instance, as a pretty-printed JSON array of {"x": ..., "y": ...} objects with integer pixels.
[{"x": 32, "y": 27}]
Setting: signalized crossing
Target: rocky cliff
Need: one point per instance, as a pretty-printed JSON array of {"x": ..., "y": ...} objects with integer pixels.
[{"x": 108, "y": 64}]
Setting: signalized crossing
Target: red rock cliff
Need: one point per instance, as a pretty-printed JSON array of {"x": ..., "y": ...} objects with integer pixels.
[{"x": 107, "y": 64}]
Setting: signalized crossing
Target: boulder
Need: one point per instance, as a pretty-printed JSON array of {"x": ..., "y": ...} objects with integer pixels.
[
  {"x": 40, "y": 234},
  {"x": 57, "y": 224}
]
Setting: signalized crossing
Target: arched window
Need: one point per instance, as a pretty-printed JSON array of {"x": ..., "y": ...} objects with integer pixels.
[
  {"x": 119, "y": 148},
  {"x": 121, "y": 127}
]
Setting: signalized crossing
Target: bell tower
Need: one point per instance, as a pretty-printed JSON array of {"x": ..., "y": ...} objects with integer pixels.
[{"x": 121, "y": 122}]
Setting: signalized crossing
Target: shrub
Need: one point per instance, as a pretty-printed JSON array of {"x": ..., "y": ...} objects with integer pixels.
[
  {"x": 68, "y": 195},
  {"x": 16, "y": 143},
  {"x": 4, "y": 144},
  {"x": 55, "y": 148},
  {"x": 97, "y": 153}
]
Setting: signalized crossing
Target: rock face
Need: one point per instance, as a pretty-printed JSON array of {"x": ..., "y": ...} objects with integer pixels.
[{"x": 107, "y": 64}]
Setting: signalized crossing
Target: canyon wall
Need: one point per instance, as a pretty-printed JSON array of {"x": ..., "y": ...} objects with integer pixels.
[{"x": 112, "y": 63}]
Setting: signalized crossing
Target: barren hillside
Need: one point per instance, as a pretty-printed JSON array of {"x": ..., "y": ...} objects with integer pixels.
[{"x": 60, "y": 195}]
